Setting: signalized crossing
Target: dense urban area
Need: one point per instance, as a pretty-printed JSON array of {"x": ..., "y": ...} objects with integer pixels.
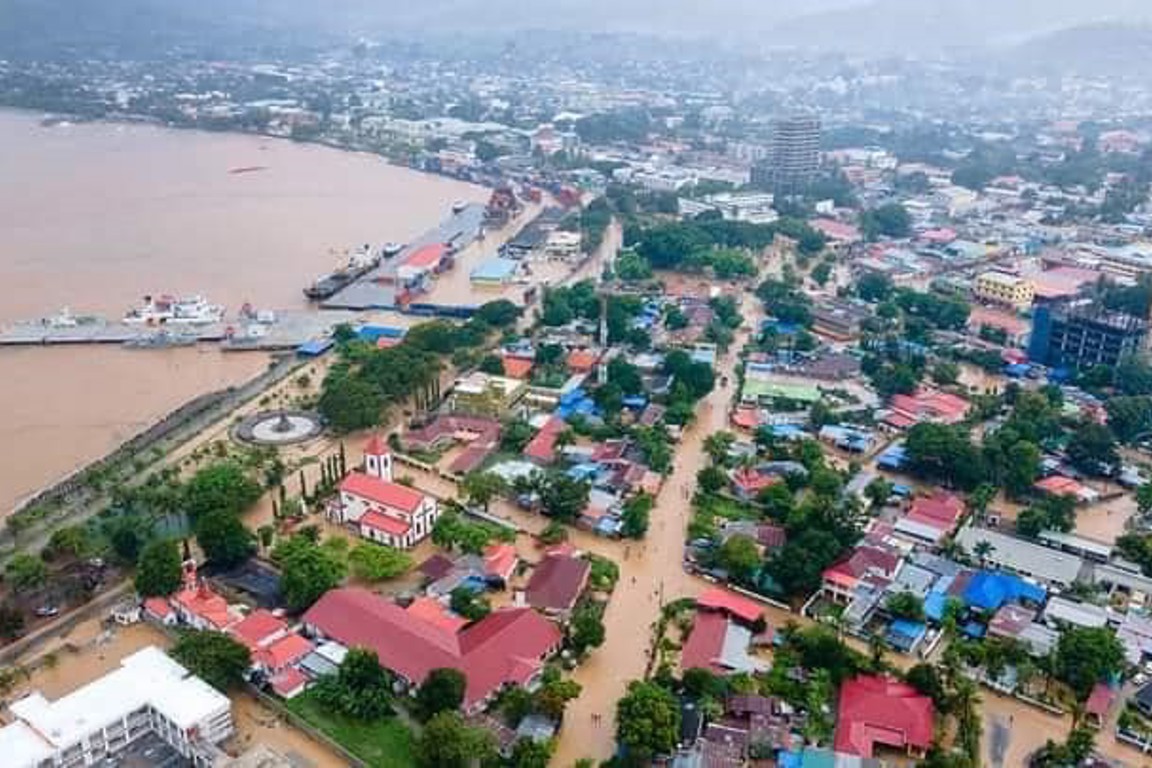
[{"x": 773, "y": 410}]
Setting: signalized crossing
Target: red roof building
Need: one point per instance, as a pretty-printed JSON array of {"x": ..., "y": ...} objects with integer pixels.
[
  {"x": 881, "y": 711},
  {"x": 864, "y": 563},
  {"x": 259, "y": 628},
  {"x": 434, "y": 612},
  {"x": 283, "y": 653},
  {"x": 426, "y": 257},
  {"x": 1099, "y": 703},
  {"x": 391, "y": 495},
  {"x": 517, "y": 367},
  {"x": 705, "y": 645},
  {"x": 557, "y": 583},
  {"x": 198, "y": 605},
  {"x": 582, "y": 360},
  {"x": 507, "y": 647},
  {"x": 542, "y": 447},
  {"x": 926, "y": 405},
  {"x": 747, "y": 482},
  {"x": 728, "y": 602},
  {"x": 500, "y": 560},
  {"x": 383, "y": 511},
  {"x": 941, "y": 510},
  {"x": 289, "y": 683}
]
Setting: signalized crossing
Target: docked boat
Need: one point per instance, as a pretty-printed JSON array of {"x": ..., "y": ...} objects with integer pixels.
[
  {"x": 170, "y": 310},
  {"x": 161, "y": 339},
  {"x": 459, "y": 206},
  {"x": 362, "y": 261},
  {"x": 392, "y": 250}
]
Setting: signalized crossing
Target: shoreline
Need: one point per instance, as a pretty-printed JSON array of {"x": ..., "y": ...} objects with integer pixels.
[{"x": 48, "y": 120}]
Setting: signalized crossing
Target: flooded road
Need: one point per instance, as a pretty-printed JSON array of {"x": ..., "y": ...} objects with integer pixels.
[{"x": 94, "y": 216}]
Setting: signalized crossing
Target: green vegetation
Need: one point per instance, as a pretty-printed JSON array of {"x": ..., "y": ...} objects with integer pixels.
[
  {"x": 309, "y": 569},
  {"x": 441, "y": 691},
  {"x": 373, "y": 562},
  {"x": 469, "y": 605},
  {"x": 647, "y": 722},
  {"x": 449, "y": 742},
  {"x": 454, "y": 531},
  {"x": 213, "y": 656},
  {"x": 384, "y": 743},
  {"x": 159, "y": 571}
]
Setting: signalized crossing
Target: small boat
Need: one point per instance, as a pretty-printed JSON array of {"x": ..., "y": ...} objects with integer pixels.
[
  {"x": 360, "y": 263},
  {"x": 391, "y": 250},
  {"x": 169, "y": 310},
  {"x": 459, "y": 206},
  {"x": 62, "y": 319}
]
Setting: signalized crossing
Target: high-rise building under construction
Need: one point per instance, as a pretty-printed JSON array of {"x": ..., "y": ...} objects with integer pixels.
[{"x": 794, "y": 156}]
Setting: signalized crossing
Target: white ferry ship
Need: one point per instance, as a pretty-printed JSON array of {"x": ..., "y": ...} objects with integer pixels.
[{"x": 170, "y": 310}]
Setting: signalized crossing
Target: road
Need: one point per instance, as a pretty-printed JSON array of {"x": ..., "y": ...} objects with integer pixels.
[{"x": 653, "y": 569}]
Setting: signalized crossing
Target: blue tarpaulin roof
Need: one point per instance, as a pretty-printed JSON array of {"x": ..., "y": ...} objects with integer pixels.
[
  {"x": 892, "y": 458},
  {"x": 635, "y": 401},
  {"x": 974, "y": 629},
  {"x": 988, "y": 590},
  {"x": 789, "y": 759},
  {"x": 934, "y": 605},
  {"x": 374, "y": 332},
  {"x": 314, "y": 348}
]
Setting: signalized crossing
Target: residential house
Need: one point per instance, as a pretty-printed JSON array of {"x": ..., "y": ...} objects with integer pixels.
[
  {"x": 882, "y": 712},
  {"x": 867, "y": 563},
  {"x": 484, "y": 394},
  {"x": 557, "y": 583},
  {"x": 926, "y": 405}
]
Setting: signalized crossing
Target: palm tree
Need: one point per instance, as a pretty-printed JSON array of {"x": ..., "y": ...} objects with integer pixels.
[
  {"x": 982, "y": 550},
  {"x": 717, "y": 445}
]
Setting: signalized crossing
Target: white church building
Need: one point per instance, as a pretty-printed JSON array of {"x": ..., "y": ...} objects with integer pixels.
[{"x": 382, "y": 510}]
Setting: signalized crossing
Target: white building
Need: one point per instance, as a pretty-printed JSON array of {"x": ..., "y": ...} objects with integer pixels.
[
  {"x": 149, "y": 693},
  {"x": 382, "y": 510}
]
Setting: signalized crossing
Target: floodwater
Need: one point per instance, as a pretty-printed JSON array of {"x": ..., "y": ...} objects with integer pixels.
[{"x": 95, "y": 216}]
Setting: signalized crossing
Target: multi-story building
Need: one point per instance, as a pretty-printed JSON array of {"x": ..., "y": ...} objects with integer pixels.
[
  {"x": 1003, "y": 288},
  {"x": 1083, "y": 335},
  {"x": 484, "y": 394},
  {"x": 150, "y": 694},
  {"x": 794, "y": 156}
]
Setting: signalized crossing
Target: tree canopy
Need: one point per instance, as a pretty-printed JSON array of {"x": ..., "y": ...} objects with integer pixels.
[
  {"x": 647, "y": 721},
  {"x": 159, "y": 571},
  {"x": 215, "y": 657}
]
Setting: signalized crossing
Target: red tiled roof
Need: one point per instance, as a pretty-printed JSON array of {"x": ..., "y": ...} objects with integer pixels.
[
  {"x": 517, "y": 367},
  {"x": 941, "y": 510},
  {"x": 557, "y": 582},
  {"x": 255, "y": 628},
  {"x": 1058, "y": 485},
  {"x": 426, "y": 256},
  {"x": 542, "y": 447},
  {"x": 771, "y": 536},
  {"x": 505, "y": 647},
  {"x": 436, "y": 567},
  {"x": 470, "y": 459},
  {"x": 376, "y": 447},
  {"x": 930, "y": 404},
  {"x": 202, "y": 602},
  {"x": 726, "y": 601},
  {"x": 879, "y": 710},
  {"x": 705, "y": 644},
  {"x": 391, "y": 495},
  {"x": 751, "y": 481},
  {"x": 582, "y": 360},
  {"x": 382, "y": 522},
  {"x": 158, "y": 606},
  {"x": 285, "y": 651},
  {"x": 837, "y": 230},
  {"x": 1100, "y": 700},
  {"x": 860, "y": 562},
  {"x": 500, "y": 559},
  {"x": 746, "y": 417},
  {"x": 288, "y": 681},
  {"x": 431, "y": 610},
  {"x": 1011, "y": 620}
]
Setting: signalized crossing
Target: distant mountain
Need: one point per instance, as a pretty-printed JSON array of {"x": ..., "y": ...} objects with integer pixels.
[
  {"x": 1107, "y": 50},
  {"x": 927, "y": 27}
]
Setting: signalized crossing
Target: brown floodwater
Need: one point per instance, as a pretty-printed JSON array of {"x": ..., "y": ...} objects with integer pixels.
[{"x": 95, "y": 216}]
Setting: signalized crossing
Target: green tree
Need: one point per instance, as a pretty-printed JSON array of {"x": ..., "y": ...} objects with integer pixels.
[
  {"x": 360, "y": 689},
  {"x": 349, "y": 403},
  {"x": 309, "y": 570},
  {"x": 905, "y": 605},
  {"x": 375, "y": 562},
  {"x": 482, "y": 487},
  {"x": 492, "y": 364},
  {"x": 739, "y": 556},
  {"x": 1024, "y": 462},
  {"x": 711, "y": 479},
  {"x": 1144, "y": 498},
  {"x": 26, "y": 572},
  {"x": 587, "y": 628},
  {"x": 441, "y": 691},
  {"x": 158, "y": 572},
  {"x": 1092, "y": 448},
  {"x": 889, "y": 220},
  {"x": 1086, "y": 656},
  {"x": 214, "y": 657},
  {"x": 73, "y": 541},
  {"x": 562, "y": 497},
  {"x": 874, "y": 287},
  {"x": 635, "y": 516},
  {"x": 448, "y": 742},
  {"x": 466, "y": 603},
  {"x": 553, "y": 695},
  {"x": 717, "y": 445},
  {"x": 223, "y": 538},
  {"x": 647, "y": 721},
  {"x": 527, "y": 753},
  {"x": 515, "y": 435},
  {"x": 221, "y": 486},
  {"x": 500, "y": 313}
]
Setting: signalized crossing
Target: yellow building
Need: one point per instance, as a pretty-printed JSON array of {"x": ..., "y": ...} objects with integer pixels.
[
  {"x": 484, "y": 394},
  {"x": 1003, "y": 288}
]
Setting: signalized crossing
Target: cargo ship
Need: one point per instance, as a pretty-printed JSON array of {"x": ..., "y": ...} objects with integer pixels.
[{"x": 361, "y": 262}]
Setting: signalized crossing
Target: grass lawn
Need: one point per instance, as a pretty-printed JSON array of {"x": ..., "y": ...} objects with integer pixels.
[{"x": 383, "y": 744}]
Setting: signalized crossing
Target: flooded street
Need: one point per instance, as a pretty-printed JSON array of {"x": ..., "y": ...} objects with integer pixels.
[
  {"x": 94, "y": 216},
  {"x": 653, "y": 574}
]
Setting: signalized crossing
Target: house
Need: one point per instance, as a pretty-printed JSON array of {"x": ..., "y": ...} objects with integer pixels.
[
  {"x": 748, "y": 482},
  {"x": 1099, "y": 704},
  {"x": 988, "y": 591},
  {"x": 1142, "y": 700},
  {"x": 866, "y": 563},
  {"x": 507, "y": 647},
  {"x": 557, "y": 583},
  {"x": 926, "y": 405},
  {"x": 719, "y": 645},
  {"x": 727, "y": 602},
  {"x": 483, "y": 394},
  {"x": 542, "y": 447},
  {"x": 880, "y": 711},
  {"x": 500, "y": 561},
  {"x": 479, "y": 435},
  {"x": 931, "y": 518},
  {"x": 1023, "y": 557},
  {"x": 1058, "y": 485},
  {"x": 381, "y": 510}
]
